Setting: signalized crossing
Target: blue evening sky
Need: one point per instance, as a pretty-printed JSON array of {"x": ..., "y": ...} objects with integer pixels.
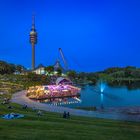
[{"x": 94, "y": 34}]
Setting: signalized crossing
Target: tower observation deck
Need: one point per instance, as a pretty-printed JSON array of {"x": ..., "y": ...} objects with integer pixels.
[{"x": 33, "y": 41}]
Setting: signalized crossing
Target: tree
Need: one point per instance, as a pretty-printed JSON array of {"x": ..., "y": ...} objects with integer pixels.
[
  {"x": 33, "y": 77},
  {"x": 6, "y": 68},
  {"x": 119, "y": 74},
  {"x": 128, "y": 71},
  {"x": 112, "y": 70},
  {"x": 81, "y": 75},
  {"x": 49, "y": 69},
  {"x": 59, "y": 72},
  {"x": 19, "y": 68},
  {"x": 135, "y": 73},
  {"x": 72, "y": 74}
]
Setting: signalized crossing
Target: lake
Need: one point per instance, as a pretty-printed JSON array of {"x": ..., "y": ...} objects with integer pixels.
[{"x": 110, "y": 97}]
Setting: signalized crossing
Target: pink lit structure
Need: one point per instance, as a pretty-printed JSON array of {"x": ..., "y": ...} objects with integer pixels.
[{"x": 52, "y": 91}]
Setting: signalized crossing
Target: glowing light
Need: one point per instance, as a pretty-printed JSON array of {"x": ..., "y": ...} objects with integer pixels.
[
  {"x": 102, "y": 97},
  {"x": 77, "y": 99},
  {"x": 102, "y": 87},
  {"x": 52, "y": 91}
]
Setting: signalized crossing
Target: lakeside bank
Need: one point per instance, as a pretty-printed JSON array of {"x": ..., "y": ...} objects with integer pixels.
[{"x": 112, "y": 113}]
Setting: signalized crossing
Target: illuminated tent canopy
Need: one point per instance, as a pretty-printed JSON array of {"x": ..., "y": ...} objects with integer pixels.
[{"x": 63, "y": 81}]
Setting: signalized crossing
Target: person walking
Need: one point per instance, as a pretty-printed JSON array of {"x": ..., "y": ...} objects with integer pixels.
[
  {"x": 68, "y": 115},
  {"x": 39, "y": 113},
  {"x": 64, "y": 114}
]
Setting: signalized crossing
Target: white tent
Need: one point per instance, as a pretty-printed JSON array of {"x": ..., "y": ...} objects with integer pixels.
[{"x": 62, "y": 80}]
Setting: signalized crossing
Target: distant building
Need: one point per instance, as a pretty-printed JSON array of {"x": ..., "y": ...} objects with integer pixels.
[
  {"x": 40, "y": 70},
  {"x": 17, "y": 72},
  {"x": 58, "y": 66}
]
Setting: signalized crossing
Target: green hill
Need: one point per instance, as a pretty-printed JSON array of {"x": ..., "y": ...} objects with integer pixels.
[{"x": 52, "y": 126}]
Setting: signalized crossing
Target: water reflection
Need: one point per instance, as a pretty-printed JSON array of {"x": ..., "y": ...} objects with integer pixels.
[
  {"x": 102, "y": 86},
  {"x": 101, "y": 95},
  {"x": 63, "y": 101},
  {"x": 102, "y": 99}
]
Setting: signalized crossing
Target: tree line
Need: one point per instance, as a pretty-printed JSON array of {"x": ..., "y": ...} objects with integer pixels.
[{"x": 7, "y": 68}]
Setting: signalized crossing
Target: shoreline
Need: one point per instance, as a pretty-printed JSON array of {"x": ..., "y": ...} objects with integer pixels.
[{"x": 121, "y": 113}]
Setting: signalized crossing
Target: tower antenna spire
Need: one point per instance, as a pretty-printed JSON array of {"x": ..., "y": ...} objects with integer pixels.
[{"x": 33, "y": 22}]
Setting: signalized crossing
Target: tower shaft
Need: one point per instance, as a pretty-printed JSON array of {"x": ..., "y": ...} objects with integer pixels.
[{"x": 33, "y": 56}]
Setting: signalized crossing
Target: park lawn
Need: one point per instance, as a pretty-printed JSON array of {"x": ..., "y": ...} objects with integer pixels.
[{"x": 51, "y": 126}]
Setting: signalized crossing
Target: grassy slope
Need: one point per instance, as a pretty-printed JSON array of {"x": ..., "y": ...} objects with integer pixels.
[{"x": 53, "y": 126}]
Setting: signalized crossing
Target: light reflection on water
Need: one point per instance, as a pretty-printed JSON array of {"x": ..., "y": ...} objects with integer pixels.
[
  {"x": 109, "y": 97},
  {"x": 103, "y": 95}
]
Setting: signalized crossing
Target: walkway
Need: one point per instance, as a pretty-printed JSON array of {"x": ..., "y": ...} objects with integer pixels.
[{"x": 20, "y": 98}]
